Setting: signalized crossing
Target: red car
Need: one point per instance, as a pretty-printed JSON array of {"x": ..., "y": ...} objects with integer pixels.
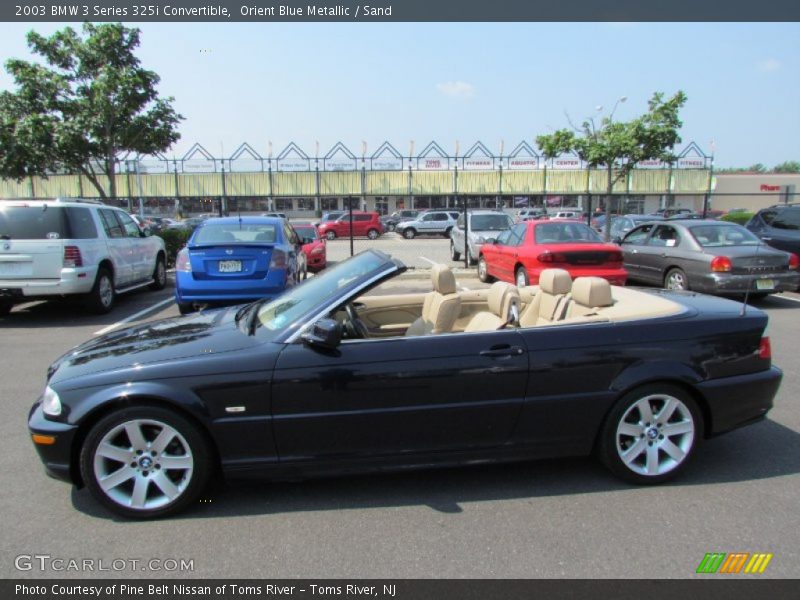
[
  {"x": 520, "y": 254},
  {"x": 313, "y": 246},
  {"x": 364, "y": 224}
]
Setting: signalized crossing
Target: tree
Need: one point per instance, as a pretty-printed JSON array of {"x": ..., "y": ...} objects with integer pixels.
[
  {"x": 91, "y": 102},
  {"x": 789, "y": 166},
  {"x": 618, "y": 146}
]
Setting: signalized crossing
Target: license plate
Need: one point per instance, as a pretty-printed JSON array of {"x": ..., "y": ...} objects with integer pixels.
[
  {"x": 230, "y": 266},
  {"x": 12, "y": 268},
  {"x": 765, "y": 284}
]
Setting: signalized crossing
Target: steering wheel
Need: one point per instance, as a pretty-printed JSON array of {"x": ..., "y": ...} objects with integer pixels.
[{"x": 353, "y": 325}]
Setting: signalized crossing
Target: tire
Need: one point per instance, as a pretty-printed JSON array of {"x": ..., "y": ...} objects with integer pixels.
[
  {"x": 102, "y": 296},
  {"x": 521, "y": 277},
  {"x": 330, "y": 235},
  {"x": 159, "y": 274},
  {"x": 639, "y": 445},
  {"x": 483, "y": 271},
  {"x": 391, "y": 227},
  {"x": 675, "y": 279},
  {"x": 455, "y": 255},
  {"x": 5, "y": 308},
  {"x": 373, "y": 234},
  {"x": 447, "y": 232},
  {"x": 409, "y": 233},
  {"x": 130, "y": 447},
  {"x": 185, "y": 308}
]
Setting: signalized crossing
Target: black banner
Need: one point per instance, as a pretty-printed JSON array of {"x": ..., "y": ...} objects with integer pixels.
[
  {"x": 730, "y": 588},
  {"x": 397, "y": 10}
]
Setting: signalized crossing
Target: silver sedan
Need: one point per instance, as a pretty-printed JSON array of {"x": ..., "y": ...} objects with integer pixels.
[{"x": 707, "y": 256}]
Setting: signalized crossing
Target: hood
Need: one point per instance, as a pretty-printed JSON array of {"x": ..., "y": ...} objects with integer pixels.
[{"x": 205, "y": 333}]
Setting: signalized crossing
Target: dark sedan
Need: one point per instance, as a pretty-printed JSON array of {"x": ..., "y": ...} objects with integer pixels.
[
  {"x": 708, "y": 256},
  {"x": 329, "y": 379}
]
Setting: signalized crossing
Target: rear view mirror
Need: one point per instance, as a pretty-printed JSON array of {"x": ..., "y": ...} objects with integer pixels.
[{"x": 325, "y": 334}]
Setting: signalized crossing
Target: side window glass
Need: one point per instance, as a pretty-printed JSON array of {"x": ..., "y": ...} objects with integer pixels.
[
  {"x": 518, "y": 234},
  {"x": 665, "y": 236},
  {"x": 768, "y": 216},
  {"x": 112, "y": 227},
  {"x": 128, "y": 224},
  {"x": 502, "y": 239},
  {"x": 638, "y": 236}
]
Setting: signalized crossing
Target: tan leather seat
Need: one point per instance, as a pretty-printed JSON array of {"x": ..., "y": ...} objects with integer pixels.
[
  {"x": 441, "y": 306},
  {"x": 589, "y": 294},
  {"x": 550, "y": 303},
  {"x": 502, "y": 297}
]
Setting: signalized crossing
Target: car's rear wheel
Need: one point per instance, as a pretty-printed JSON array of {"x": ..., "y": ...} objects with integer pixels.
[
  {"x": 5, "y": 308},
  {"x": 483, "y": 271},
  {"x": 454, "y": 254},
  {"x": 145, "y": 461},
  {"x": 409, "y": 233},
  {"x": 159, "y": 274},
  {"x": 447, "y": 232},
  {"x": 331, "y": 235},
  {"x": 391, "y": 227},
  {"x": 522, "y": 278},
  {"x": 651, "y": 433},
  {"x": 372, "y": 234},
  {"x": 676, "y": 280},
  {"x": 102, "y": 296},
  {"x": 185, "y": 307}
]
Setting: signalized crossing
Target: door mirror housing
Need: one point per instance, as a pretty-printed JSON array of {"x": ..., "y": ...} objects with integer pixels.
[{"x": 326, "y": 334}]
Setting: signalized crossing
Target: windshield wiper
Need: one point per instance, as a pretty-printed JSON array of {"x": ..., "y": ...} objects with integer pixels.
[{"x": 241, "y": 312}]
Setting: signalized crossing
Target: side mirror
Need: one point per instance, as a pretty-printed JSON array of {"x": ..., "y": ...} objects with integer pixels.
[
  {"x": 146, "y": 231},
  {"x": 326, "y": 334},
  {"x": 617, "y": 240}
]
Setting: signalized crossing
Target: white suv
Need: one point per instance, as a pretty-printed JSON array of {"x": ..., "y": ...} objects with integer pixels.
[
  {"x": 430, "y": 222},
  {"x": 68, "y": 247}
]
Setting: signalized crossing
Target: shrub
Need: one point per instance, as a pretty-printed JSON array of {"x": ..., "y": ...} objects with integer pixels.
[
  {"x": 738, "y": 217},
  {"x": 174, "y": 240}
]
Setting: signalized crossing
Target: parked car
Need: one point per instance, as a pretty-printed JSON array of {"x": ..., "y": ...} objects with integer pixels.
[
  {"x": 50, "y": 249},
  {"x": 707, "y": 256},
  {"x": 530, "y": 213},
  {"x": 308, "y": 383},
  {"x": 622, "y": 225},
  {"x": 669, "y": 212},
  {"x": 568, "y": 214},
  {"x": 235, "y": 259},
  {"x": 520, "y": 254},
  {"x": 192, "y": 222},
  {"x": 278, "y": 215},
  {"x": 364, "y": 224},
  {"x": 778, "y": 226},
  {"x": 431, "y": 222},
  {"x": 390, "y": 221},
  {"x": 484, "y": 226},
  {"x": 314, "y": 246}
]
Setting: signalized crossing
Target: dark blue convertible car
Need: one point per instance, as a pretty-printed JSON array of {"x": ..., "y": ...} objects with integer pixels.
[{"x": 236, "y": 259}]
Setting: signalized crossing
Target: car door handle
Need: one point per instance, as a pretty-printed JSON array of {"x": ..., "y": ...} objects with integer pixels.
[{"x": 501, "y": 351}]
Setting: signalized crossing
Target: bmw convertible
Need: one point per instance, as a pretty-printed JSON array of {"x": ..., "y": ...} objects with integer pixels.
[{"x": 333, "y": 377}]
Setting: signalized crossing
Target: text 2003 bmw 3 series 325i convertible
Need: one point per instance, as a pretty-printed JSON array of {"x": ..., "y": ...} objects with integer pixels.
[{"x": 325, "y": 379}]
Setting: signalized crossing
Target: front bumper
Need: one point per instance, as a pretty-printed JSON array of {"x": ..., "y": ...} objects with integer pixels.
[
  {"x": 57, "y": 457},
  {"x": 729, "y": 283},
  {"x": 72, "y": 281},
  {"x": 737, "y": 401}
]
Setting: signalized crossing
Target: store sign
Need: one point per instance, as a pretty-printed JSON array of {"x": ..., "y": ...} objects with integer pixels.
[
  {"x": 765, "y": 187},
  {"x": 156, "y": 166},
  {"x": 478, "y": 163},
  {"x": 433, "y": 163},
  {"x": 652, "y": 164},
  {"x": 387, "y": 163},
  {"x": 340, "y": 164},
  {"x": 568, "y": 162},
  {"x": 198, "y": 166},
  {"x": 694, "y": 162},
  {"x": 523, "y": 162},
  {"x": 246, "y": 165},
  {"x": 293, "y": 164}
]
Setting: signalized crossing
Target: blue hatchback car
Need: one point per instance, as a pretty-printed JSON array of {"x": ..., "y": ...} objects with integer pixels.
[{"x": 237, "y": 259}]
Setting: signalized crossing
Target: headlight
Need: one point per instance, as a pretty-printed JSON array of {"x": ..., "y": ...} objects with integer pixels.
[{"x": 51, "y": 403}]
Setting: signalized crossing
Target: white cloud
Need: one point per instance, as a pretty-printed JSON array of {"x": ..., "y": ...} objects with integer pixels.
[
  {"x": 457, "y": 89},
  {"x": 771, "y": 64}
]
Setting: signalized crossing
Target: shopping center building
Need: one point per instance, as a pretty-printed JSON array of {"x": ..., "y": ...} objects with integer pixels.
[{"x": 303, "y": 186}]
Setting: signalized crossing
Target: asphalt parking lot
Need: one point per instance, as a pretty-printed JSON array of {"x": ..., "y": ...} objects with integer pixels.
[{"x": 558, "y": 518}]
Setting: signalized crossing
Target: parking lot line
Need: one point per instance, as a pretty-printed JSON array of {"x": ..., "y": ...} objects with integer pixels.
[
  {"x": 428, "y": 260},
  {"x": 135, "y": 316}
]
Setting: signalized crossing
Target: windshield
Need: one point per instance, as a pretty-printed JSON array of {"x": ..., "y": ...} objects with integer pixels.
[
  {"x": 496, "y": 222},
  {"x": 316, "y": 291},
  {"x": 234, "y": 233},
  {"x": 566, "y": 233},
  {"x": 711, "y": 236}
]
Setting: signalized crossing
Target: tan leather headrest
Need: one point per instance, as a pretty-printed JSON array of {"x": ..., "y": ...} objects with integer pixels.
[
  {"x": 443, "y": 279},
  {"x": 555, "y": 281},
  {"x": 592, "y": 291},
  {"x": 497, "y": 296}
]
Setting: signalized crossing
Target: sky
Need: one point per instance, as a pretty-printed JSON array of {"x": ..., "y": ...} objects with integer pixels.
[{"x": 466, "y": 82}]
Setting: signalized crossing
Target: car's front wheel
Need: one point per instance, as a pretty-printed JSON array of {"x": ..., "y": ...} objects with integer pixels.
[
  {"x": 145, "y": 462},
  {"x": 372, "y": 234},
  {"x": 159, "y": 274},
  {"x": 651, "y": 433},
  {"x": 103, "y": 295},
  {"x": 676, "y": 280},
  {"x": 409, "y": 233},
  {"x": 5, "y": 308},
  {"x": 331, "y": 235},
  {"x": 483, "y": 271}
]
